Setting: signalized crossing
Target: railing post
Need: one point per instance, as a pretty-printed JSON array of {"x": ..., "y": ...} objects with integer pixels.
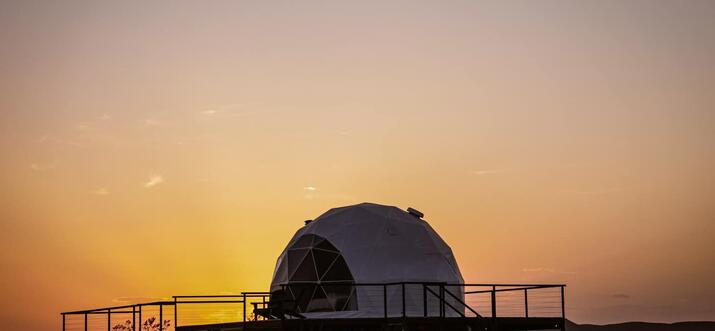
[
  {"x": 140, "y": 316},
  {"x": 85, "y": 321},
  {"x": 134, "y": 318},
  {"x": 442, "y": 312},
  {"x": 494, "y": 301},
  {"x": 404, "y": 308},
  {"x": 63, "y": 322},
  {"x": 109, "y": 319},
  {"x": 176, "y": 313},
  {"x": 161, "y": 317},
  {"x": 384, "y": 299},
  {"x": 283, "y": 315},
  {"x": 526, "y": 302},
  {"x": 244, "y": 307},
  {"x": 563, "y": 306},
  {"x": 424, "y": 299},
  {"x": 563, "y": 310}
]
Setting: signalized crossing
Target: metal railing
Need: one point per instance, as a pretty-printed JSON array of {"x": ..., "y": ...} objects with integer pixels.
[
  {"x": 211, "y": 309},
  {"x": 195, "y": 309},
  {"x": 99, "y": 318},
  {"x": 430, "y": 299},
  {"x": 516, "y": 300},
  {"x": 388, "y": 300}
]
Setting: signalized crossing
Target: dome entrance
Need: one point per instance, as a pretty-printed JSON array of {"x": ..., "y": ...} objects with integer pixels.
[{"x": 318, "y": 277}]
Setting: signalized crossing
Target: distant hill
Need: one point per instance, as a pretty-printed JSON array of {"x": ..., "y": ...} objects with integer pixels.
[{"x": 643, "y": 326}]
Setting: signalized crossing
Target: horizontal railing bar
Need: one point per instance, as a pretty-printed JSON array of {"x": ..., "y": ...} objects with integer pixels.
[
  {"x": 421, "y": 283},
  {"x": 510, "y": 285},
  {"x": 100, "y": 313},
  {"x": 211, "y": 301},
  {"x": 507, "y": 289},
  {"x": 93, "y": 310},
  {"x": 157, "y": 303},
  {"x": 209, "y": 296},
  {"x": 357, "y": 284}
]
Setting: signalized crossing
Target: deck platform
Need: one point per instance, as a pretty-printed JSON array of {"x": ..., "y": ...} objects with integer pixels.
[{"x": 396, "y": 323}]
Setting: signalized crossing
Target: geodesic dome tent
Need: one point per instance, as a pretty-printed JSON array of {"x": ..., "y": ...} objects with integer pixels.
[{"x": 365, "y": 244}]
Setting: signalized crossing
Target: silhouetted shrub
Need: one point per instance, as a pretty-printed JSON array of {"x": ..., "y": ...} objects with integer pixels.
[{"x": 150, "y": 324}]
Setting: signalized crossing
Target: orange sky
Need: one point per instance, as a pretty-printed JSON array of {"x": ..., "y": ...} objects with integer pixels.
[{"x": 151, "y": 149}]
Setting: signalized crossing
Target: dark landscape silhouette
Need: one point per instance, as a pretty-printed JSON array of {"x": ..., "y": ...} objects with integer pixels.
[{"x": 643, "y": 326}]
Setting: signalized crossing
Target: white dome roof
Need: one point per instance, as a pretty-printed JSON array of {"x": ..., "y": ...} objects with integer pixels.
[{"x": 379, "y": 244}]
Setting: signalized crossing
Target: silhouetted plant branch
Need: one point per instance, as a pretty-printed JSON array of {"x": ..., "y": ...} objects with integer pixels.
[{"x": 150, "y": 324}]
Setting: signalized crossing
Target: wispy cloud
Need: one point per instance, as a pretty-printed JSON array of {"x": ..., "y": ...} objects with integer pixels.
[
  {"x": 310, "y": 192},
  {"x": 100, "y": 191},
  {"x": 621, "y": 296},
  {"x": 483, "y": 172},
  {"x": 229, "y": 110},
  {"x": 150, "y": 122},
  {"x": 84, "y": 126},
  {"x": 41, "y": 167},
  {"x": 547, "y": 270},
  {"x": 154, "y": 181}
]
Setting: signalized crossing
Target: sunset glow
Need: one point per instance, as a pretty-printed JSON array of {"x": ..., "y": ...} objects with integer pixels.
[{"x": 159, "y": 148}]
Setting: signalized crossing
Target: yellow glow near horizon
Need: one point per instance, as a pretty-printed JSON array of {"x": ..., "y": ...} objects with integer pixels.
[{"x": 154, "y": 149}]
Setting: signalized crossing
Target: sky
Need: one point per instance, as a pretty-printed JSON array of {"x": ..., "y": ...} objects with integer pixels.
[{"x": 152, "y": 149}]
